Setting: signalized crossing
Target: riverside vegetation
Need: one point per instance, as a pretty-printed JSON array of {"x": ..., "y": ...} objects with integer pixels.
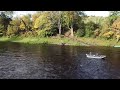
[{"x": 61, "y": 27}]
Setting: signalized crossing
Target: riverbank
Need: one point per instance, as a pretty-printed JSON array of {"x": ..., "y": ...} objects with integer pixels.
[
  {"x": 38, "y": 40},
  {"x": 62, "y": 41}
]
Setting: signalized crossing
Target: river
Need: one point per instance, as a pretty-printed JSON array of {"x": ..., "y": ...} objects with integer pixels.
[{"x": 25, "y": 61}]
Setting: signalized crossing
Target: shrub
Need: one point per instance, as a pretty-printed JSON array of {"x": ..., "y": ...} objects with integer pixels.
[
  {"x": 30, "y": 34},
  {"x": 12, "y": 30},
  {"x": 90, "y": 28},
  {"x": 46, "y": 33},
  {"x": 108, "y": 35},
  {"x": 80, "y": 33},
  {"x": 88, "y": 32}
]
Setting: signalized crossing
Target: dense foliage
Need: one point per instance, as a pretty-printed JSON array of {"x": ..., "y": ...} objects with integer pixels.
[{"x": 52, "y": 23}]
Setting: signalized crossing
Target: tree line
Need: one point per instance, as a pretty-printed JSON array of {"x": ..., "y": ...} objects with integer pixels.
[{"x": 66, "y": 23}]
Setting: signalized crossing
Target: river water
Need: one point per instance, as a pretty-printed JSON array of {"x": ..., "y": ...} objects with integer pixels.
[{"x": 25, "y": 61}]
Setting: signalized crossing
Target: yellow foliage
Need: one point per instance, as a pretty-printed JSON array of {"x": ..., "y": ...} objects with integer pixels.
[
  {"x": 35, "y": 16},
  {"x": 108, "y": 34},
  {"x": 43, "y": 21},
  {"x": 22, "y": 26},
  {"x": 118, "y": 37},
  {"x": 116, "y": 24},
  {"x": 25, "y": 22}
]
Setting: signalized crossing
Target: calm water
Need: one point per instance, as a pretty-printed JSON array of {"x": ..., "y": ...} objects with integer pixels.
[{"x": 22, "y": 61}]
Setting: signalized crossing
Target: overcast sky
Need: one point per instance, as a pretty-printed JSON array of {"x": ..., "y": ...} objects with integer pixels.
[
  {"x": 19, "y": 13},
  {"x": 96, "y": 13}
]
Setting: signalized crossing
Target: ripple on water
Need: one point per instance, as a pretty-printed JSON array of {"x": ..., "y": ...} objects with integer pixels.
[{"x": 22, "y": 61}]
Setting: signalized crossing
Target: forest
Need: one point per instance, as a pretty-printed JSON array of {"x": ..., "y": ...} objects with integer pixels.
[{"x": 62, "y": 24}]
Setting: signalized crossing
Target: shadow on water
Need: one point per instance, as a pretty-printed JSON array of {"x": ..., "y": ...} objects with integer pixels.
[{"x": 21, "y": 61}]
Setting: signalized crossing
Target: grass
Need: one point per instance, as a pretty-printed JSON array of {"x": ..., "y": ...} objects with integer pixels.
[
  {"x": 61, "y": 41},
  {"x": 38, "y": 40},
  {"x": 99, "y": 41}
]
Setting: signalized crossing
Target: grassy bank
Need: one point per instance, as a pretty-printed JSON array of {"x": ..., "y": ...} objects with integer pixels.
[
  {"x": 62, "y": 41},
  {"x": 37, "y": 40},
  {"x": 99, "y": 41}
]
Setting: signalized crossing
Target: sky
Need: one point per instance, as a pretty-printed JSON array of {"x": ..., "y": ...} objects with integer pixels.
[
  {"x": 20, "y": 13},
  {"x": 97, "y": 13},
  {"x": 89, "y": 13}
]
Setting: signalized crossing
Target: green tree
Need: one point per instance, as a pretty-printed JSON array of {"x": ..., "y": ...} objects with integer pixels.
[
  {"x": 13, "y": 27},
  {"x": 5, "y": 18},
  {"x": 113, "y": 16},
  {"x": 12, "y": 30},
  {"x": 71, "y": 17},
  {"x": 44, "y": 25},
  {"x": 90, "y": 28}
]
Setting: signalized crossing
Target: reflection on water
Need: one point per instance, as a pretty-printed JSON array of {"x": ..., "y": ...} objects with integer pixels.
[{"x": 23, "y": 61}]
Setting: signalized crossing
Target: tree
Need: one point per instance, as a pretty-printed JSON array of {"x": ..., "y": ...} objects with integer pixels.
[
  {"x": 71, "y": 17},
  {"x": 59, "y": 23},
  {"x": 34, "y": 17},
  {"x": 44, "y": 25},
  {"x": 26, "y": 23},
  {"x": 5, "y": 18},
  {"x": 13, "y": 27},
  {"x": 16, "y": 22},
  {"x": 57, "y": 20},
  {"x": 12, "y": 30},
  {"x": 90, "y": 28},
  {"x": 42, "y": 21},
  {"x": 114, "y": 13},
  {"x": 113, "y": 16}
]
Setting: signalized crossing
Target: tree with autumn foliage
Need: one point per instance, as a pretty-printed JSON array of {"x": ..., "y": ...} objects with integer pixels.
[{"x": 65, "y": 23}]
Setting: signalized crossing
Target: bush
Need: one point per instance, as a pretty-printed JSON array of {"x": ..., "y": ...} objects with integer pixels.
[
  {"x": 108, "y": 35},
  {"x": 46, "y": 33},
  {"x": 12, "y": 30},
  {"x": 96, "y": 33},
  {"x": 42, "y": 33},
  {"x": 88, "y": 33},
  {"x": 90, "y": 28},
  {"x": 29, "y": 34},
  {"x": 80, "y": 33}
]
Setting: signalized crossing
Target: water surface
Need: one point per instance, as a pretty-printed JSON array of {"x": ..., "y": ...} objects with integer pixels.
[{"x": 25, "y": 61}]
